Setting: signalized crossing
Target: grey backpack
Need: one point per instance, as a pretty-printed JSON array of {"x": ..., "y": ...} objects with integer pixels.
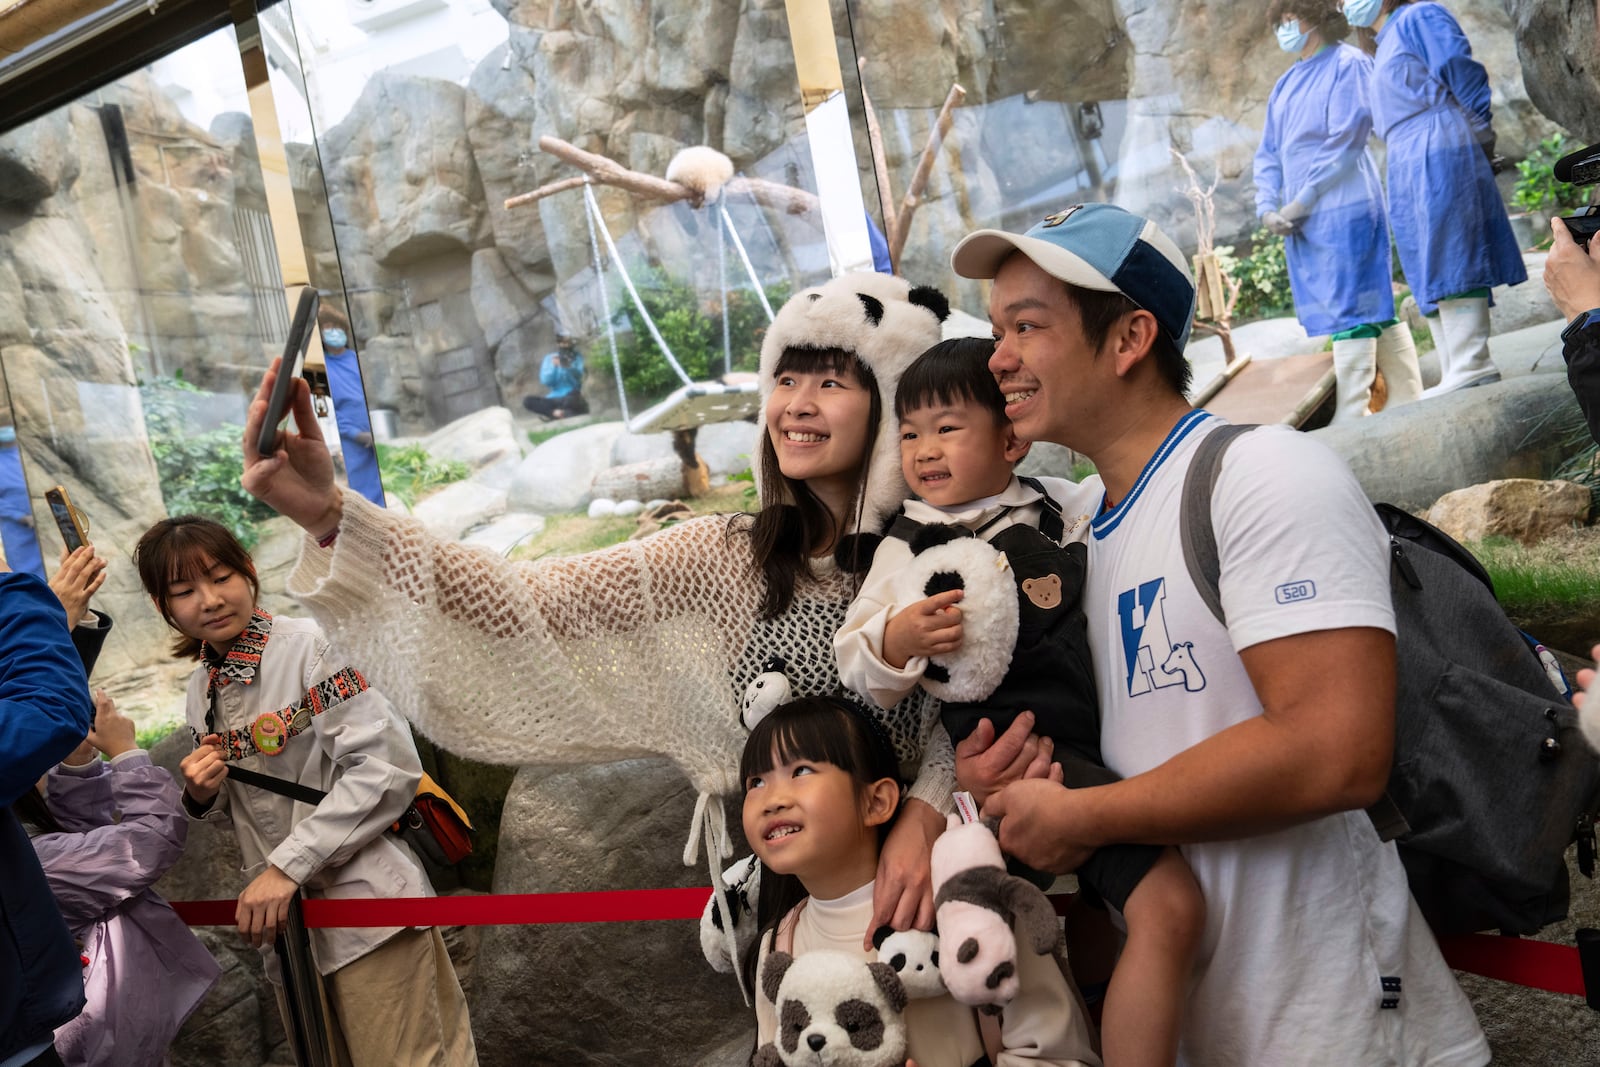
[{"x": 1491, "y": 779}]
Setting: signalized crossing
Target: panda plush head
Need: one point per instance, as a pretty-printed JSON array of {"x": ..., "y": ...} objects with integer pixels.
[
  {"x": 833, "y": 1011},
  {"x": 886, "y": 324},
  {"x": 914, "y": 955}
]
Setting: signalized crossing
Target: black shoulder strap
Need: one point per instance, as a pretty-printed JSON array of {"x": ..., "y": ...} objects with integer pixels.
[
  {"x": 1050, "y": 522},
  {"x": 1195, "y": 529},
  {"x": 305, "y": 794}
]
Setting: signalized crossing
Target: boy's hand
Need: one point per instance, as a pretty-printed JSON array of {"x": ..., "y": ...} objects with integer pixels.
[
  {"x": 264, "y": 906},
  {"x": 930, "y": 627},
  {"x": 112, "y": 732},
  {"x": 78, "y": 578},
  {"x": 203, "y": 770}
]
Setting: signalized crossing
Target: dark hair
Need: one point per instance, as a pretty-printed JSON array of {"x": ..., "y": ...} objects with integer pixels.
[
  {"x": 328, "y": 315},
  {"x": 1326, "y": 16},
  {"x": 825, "y": 730},
  {"x": 30, "y": 808},
  {"x": 793, "y": 522},
  {"x": 174, "y": 550},
  {"x": 1099, "y": 311},
  {"x": 951, "y": 372}
]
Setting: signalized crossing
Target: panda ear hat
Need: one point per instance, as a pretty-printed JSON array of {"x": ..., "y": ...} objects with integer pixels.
[{"x": 887, "y": 323}]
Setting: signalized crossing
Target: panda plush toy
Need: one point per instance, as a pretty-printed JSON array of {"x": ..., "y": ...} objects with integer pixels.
[
  {"x": 982, "y": 912},
  {"x": 833, "y": 1011},
  {"x": 948, "y": 557},
  {"x": 914, "y": 955}
]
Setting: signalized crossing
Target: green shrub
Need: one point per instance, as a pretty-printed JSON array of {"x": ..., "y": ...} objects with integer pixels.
[
  {"x": 1263, "y": 278},
  {"x": 410, "y": 473},
  {"x": 1537, "y": 188},
  {"x": 199, "y": 472},
  {"x": 692, "y": 330}
]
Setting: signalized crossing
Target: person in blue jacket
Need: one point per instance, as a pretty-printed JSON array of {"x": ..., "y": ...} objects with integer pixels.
[
  {"x": 45, "y": 710},
  {"x": 1318, "y": 188},
  {"x": 1430, "y": 104},
  {"x": 18, "y": 536},
  {"x": 561, "y": 374},
  {"x": 350, "y": 405}
]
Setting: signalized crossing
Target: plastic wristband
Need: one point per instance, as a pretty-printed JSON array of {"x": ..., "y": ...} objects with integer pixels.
[{"x": 327, "y": 539}]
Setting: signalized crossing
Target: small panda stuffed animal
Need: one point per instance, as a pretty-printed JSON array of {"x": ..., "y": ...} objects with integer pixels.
[
  {"x": 945, "y": 558},
  {"x": 982, "y": 912},
  {"x": 914, "y": 955},
  {"x": 833, "y": 1011}
]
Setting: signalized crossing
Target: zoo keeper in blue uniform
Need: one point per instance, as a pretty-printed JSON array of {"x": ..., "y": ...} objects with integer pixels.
[
  {"x": 1430, "y": 104},
  {"x": 1318, "y": 188},
  {"x": 350, "y": 405}
]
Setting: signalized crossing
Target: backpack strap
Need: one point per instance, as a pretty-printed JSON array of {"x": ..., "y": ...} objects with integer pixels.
[
  {"x": 1199, "y": 537},
  {"x": 1050, "y": 521},
  {"x": 1195, "y": 530}
]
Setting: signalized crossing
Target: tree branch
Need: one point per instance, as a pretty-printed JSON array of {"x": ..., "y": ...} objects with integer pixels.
[{"x": 919, "y": 177}]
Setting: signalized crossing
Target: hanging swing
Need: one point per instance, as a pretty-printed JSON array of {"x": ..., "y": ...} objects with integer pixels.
[{"x": 692, "y": 404}]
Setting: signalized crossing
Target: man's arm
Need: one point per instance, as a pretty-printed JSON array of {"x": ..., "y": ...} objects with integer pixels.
[{"x": 1322, "y": 744}]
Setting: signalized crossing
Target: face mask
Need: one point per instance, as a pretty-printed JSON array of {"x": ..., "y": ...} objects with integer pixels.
[
  {"x": 333, "y": 339},
  {"x": 1290, "y": 39},
  {"x": 1362, "y": 13}
]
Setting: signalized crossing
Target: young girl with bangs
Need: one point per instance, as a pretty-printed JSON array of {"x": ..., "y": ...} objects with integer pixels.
[
  {"x": 270, "y": 696},
  {"x": 820, "y": 793}
]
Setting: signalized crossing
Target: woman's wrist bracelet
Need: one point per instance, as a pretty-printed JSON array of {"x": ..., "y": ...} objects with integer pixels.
[{"x": 327, "y": 539}]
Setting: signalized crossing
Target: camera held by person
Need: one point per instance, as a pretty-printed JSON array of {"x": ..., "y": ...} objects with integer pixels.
[{"x": 1572, "y": 274}]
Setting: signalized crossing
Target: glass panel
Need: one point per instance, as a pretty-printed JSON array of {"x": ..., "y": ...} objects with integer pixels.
[
  {"x": 1091, "y": 100},
  {"x": 457, "y": 299},
  {"x": 142, "y": 290}
]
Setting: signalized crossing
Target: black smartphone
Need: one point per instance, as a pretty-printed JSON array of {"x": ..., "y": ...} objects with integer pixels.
[
  {"x": 294, "y": 349},
  {"x": 74, "y": 531}
]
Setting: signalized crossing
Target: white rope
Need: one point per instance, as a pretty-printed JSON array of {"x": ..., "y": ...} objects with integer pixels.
[
  {"x": 722, "y": 280},
  {"x": 744, "y": 258},
  {"x": 605, "y": 304},
  {"x": 596, "y": 222}
]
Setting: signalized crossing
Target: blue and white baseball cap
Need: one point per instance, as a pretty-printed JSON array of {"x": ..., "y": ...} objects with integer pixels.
[{"x": 1100, "y": 247}]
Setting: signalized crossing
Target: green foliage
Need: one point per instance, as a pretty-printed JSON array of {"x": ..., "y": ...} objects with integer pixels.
[
  {"x": 149, "y": 734},
  {"x": 199, "y": 472},
  {"x": 1263, "y": 278},
  {"x": 691, "y": 324},
  {"x": 1537, "y": 188},
  {"x": 410, "y": 473},
  {"x": 543, "y": 434}
]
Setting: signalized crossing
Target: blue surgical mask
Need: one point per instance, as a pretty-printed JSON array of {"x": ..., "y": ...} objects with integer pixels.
[
  {"x": 1290, "y": 39},
  {"x": 333, "y": 338},
  {"x": 1362, "y": 13}
]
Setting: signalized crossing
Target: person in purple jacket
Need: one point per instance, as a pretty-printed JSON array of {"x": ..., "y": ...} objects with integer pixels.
[{"x": 104, "y": 831}]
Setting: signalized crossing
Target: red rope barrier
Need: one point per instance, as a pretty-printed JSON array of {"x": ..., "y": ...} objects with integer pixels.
[
  {"x": 636, "y": 905},
  {"x": 1535, "y": 964}
]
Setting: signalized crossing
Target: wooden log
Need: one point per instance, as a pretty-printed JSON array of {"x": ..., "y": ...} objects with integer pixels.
[
  {"x": 919, "y": 177},
  {"x": 610, "y": 172}
]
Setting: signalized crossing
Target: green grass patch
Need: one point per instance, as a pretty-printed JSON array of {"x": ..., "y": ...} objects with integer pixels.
[
  {"x": 540, "y": 436},
  {"x": 1554, "y": 579}
]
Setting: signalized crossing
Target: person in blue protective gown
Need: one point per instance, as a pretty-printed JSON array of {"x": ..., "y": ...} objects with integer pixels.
[
  {"x": 17, "y": 533},
  {"x": 561, "y": 374},
  {"x": 350, "y": 405},
  {"x": 1318, "y": 188},
  {"x": 1430, "y": 104}
]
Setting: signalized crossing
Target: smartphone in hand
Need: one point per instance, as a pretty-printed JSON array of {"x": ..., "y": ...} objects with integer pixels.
[
  {"x": 294, "y": 350},
  {"x": 74, "y": 530}
]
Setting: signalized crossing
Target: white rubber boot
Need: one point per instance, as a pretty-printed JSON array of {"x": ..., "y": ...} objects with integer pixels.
[
  {"x": 1397, "y": 360},
  {"x": 1465, "y": 362},
  {"x": 1355, "y": 360}
]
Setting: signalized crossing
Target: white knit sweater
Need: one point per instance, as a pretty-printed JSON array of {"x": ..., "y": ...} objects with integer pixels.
[{"x": 641, "y": 649}]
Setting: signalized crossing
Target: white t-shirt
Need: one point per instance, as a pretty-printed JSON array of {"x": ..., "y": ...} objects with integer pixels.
[{"x": 1303, "y": 926}]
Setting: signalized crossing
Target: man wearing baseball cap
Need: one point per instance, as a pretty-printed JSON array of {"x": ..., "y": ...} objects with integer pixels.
[{"x": 1252, "y": 745}]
